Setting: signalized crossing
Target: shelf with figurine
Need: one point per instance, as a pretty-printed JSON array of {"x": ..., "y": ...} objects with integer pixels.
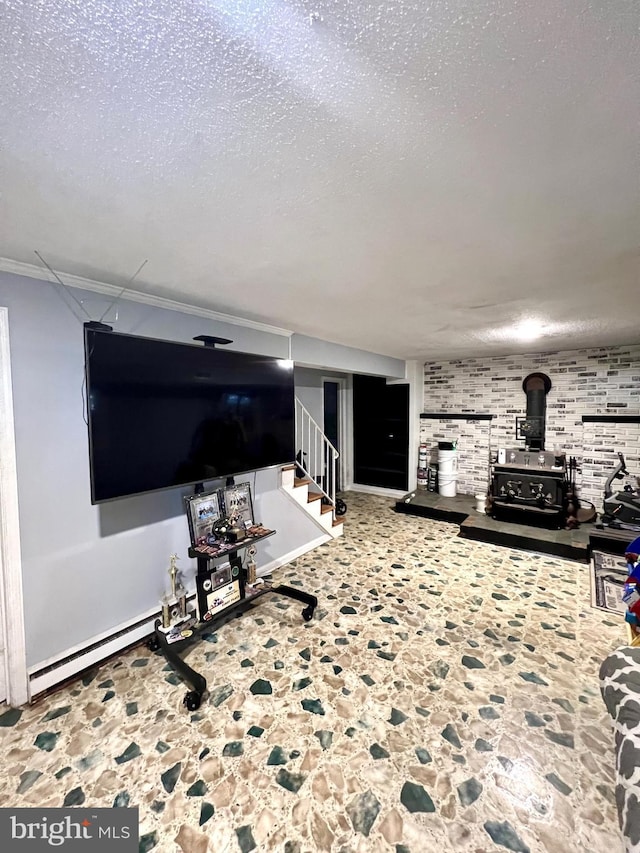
[
  {"x": 217, "y": 546},
  {"x": 221, "y": 521},
  {"x": 221, "y": 525}
]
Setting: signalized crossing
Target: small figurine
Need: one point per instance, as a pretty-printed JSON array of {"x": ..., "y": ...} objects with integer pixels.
[
  {"x": 173, "y": 574},
  {"x": 238, "y": 529},
  {"x": 251, "y": 565}
]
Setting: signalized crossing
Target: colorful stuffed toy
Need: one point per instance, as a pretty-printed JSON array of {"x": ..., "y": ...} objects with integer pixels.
[{"x": 631, "y": 591}]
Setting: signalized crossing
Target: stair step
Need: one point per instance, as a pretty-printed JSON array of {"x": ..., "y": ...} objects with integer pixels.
[
  {"x": 326, "y": 508},
  {"x": 337, "y": 521},
  {"x": 314, "y": 496},
  {"x": 291, "y": 467},
  {"x": 298, "y": 481}
]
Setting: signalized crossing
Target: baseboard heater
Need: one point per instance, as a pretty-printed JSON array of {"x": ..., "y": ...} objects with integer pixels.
[{"x": 55, "y": 673}]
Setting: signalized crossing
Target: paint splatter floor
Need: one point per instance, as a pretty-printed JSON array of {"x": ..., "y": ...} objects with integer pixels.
[{"x": 444, "y": 698}]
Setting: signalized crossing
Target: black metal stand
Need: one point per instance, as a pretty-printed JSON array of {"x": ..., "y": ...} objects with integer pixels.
[{"x": 171, "y": 651}]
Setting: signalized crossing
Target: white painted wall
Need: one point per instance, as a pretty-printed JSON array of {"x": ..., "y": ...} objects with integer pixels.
[{"x": 89, "y": 568}]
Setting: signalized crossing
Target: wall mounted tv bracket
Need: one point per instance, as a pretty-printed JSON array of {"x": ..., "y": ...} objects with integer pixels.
[
  {"x": 211, "y": 341},
  {"x": 97, "y": 326}
]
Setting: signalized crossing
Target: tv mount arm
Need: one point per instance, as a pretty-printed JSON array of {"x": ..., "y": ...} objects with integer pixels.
[
  {"x": 98, "y": 326},
  {"x": 211, "y": 341}
]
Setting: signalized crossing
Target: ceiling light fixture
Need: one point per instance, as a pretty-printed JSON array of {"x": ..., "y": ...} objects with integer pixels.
[{"x": 528, "y": 330}]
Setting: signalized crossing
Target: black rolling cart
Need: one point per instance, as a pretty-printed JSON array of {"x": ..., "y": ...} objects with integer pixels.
[{"x": 222, "y": 591}]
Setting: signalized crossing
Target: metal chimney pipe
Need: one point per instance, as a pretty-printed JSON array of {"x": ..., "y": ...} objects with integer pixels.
[{"x": 536, "y": 386}]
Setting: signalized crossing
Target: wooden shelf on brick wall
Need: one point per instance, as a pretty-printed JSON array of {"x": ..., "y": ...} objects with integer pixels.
[
  {"x": 611, "y": 419},
  {"x": 457, "y": 416}
]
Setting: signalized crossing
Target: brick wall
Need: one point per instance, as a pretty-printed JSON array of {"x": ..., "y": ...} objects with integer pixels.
[
  {"x": 473, "y": 439},
  {"x": 584, "y": 382},
  {"x": 601, "y": 443}
]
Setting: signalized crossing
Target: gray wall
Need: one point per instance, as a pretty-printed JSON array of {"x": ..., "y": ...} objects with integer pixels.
[
  {"x": 88, "y": 569},
  {"x": 311, "y": 352},
  {"x": 309, "y": 389}
]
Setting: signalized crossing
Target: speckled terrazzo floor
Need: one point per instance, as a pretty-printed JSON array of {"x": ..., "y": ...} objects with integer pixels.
[{"x": 444, "y": 698}]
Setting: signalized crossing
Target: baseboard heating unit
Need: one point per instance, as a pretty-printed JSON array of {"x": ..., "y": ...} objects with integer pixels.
[
  {"x": 55, "y": 671},
  {"x": 70, "y": 664}
]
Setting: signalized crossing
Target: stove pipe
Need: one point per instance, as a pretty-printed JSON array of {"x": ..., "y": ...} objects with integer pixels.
[{"x": 536, "y": 386}]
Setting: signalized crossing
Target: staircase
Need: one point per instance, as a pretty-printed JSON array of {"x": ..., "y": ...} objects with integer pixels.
[{"x": 312, "y": 481}]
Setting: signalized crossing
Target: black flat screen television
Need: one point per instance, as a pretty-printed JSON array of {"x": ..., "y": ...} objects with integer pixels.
[{"x": 164, "y": 414}]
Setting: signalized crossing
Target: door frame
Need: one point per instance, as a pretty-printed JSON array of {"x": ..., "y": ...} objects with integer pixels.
[
  {"x": 13, "y": 656},
  {"x": 414, "y": 377},
  {"x": 344, "y": 437}
]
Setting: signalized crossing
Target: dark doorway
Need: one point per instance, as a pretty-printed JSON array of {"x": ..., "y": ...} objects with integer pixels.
[
  {"x": 331, "y": 412},
  {"x": 331, "y": 418},
  {"x": 380, "y": 433}
]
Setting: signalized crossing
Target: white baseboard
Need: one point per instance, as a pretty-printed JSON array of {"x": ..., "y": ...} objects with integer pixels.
[{"x": 376, "y": 490}]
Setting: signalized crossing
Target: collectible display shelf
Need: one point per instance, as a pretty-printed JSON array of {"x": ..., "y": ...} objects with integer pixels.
[
  {"x": 213, "y": 552},
  {"x": 248, "y": 593}
]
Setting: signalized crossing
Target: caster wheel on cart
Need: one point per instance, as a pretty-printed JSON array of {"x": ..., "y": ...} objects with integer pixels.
[
  {"x": 192, "y": 700},
  {"x": 341, "y": 507},
  {"x": 152, "y": 643},
  {"x": 307, "y": 614}
]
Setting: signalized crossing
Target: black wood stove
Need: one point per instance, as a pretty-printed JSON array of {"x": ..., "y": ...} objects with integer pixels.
[{"x": 530, "y": 486}]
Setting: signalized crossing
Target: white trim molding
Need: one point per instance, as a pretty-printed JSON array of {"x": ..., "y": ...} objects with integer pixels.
[
  {"x": 415, "y": 376},
  {"x": 11, "y": 595},
  {"x": 112, "y": 290},
  {"x": 374, "y": 490},
  {"x": 345, "y": 410}
]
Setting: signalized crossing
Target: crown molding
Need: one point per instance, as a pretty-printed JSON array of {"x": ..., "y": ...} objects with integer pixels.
[{"x": 42, "y": 275}]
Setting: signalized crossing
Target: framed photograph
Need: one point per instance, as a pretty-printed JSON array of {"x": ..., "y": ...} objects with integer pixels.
[
  {"x": 237, "y": 503},
  {"x": 608, "y": 575},
  {"x": 216, "y": 588},
  {"x": 202, "y": 511}
]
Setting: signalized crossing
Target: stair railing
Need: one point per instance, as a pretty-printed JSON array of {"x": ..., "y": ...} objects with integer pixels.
[{"x": 316, "y": 456}]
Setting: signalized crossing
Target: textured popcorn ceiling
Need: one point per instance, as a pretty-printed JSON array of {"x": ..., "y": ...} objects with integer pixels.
[{"x": 406, "y": 177}]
